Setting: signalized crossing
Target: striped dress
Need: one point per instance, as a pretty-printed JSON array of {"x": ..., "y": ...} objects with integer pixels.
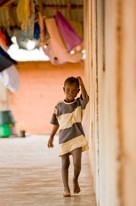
[{"x": 68, "y": 116}]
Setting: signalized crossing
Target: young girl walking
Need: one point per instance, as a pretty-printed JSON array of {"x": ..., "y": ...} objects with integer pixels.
[{"x": 67, "y": 117}]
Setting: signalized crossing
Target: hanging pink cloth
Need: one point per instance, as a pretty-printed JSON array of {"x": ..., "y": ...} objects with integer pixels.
[
  {"x": 56, "y": 49},
  {"x": 69, "y": 35}
]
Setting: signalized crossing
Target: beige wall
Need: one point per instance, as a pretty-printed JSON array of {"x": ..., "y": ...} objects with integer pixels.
[
  {"x": 110, "y": 36},
  {"x": 129, "y": 101}
]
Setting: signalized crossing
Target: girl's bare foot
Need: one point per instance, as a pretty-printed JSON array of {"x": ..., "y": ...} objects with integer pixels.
[
  {"x": 66, "y": 194},
  {"x": 76, "y": 186}
]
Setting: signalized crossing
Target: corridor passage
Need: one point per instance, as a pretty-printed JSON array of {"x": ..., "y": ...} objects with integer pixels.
[{"x": 30, "y": 175}]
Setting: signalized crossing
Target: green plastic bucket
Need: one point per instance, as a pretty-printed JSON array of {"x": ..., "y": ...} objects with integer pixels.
[{"x": 5, "y": 130}]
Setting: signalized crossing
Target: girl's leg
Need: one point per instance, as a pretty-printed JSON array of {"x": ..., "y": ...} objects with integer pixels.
[
  {"x": 64, "y": 171},
  {"x": 77, "y": 154}
]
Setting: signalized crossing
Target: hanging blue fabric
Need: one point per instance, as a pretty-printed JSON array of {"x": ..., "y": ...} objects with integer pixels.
[{"x": 36, "y": 30}]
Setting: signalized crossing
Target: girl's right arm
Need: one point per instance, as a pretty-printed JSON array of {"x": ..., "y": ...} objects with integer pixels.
[
  {"x": 54, "y": 130},
  {"x": 83, "y": 90}
]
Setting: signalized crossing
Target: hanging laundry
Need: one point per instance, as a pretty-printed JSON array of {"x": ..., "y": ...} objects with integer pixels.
[
  {"x": 36, "y": 22},
  {"x": 5, "y": 41},
  {"x": 23, "y": 13},
  {"x": 8, "y": 72},
  {"x": 36, "y": 30},
  {"x": 27, "y": 21},
  {"x": 5, "y": 60},
  {"x": 4, "y": 37},
  {"x": 10, "y": 78},
  {"x": 44, "y": 35},
  {"x": 68, "y": 34},
  {"x": 30, "y": 32},
  {"x": 56, "y": 49}
]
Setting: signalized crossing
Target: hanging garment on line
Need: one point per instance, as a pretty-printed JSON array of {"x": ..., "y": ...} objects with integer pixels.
[
  {"x": 5, "y": 60},
  {"x": 8, "y": 72},
  {"x": 44, "y": 35},
  {"x": 23, "y": 13},
  {"x": 10, "y": 78},
  {"x": 5, "y": 40},
  {"x": 56, "y": 49},
  {"x": 68, "y": 34}
]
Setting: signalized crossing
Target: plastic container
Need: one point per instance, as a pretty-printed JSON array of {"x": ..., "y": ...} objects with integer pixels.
[
  {"x": 5, "y": 130},
  {"x": 6, "y": 117}
]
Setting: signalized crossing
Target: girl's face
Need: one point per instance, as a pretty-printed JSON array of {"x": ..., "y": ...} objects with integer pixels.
[{"x": 71, "y": 91}]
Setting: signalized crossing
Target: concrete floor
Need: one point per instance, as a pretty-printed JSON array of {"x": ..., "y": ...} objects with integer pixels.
[{"x": 30, "y": 175}]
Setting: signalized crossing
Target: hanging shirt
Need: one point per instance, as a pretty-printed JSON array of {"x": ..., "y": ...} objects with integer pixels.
[{"x": 10, "y": 78}]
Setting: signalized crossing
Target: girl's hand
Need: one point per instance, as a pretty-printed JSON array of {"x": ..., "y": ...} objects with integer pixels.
[
  {"x": 80, "y": 80},
  {"x": 50, "y": 143},
  {"x": 83, "y": 90},
  {"x": 54, "y": 130}
]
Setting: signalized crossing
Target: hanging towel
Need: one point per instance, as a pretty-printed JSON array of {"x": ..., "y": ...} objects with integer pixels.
[{"x": 68, "y": 34}]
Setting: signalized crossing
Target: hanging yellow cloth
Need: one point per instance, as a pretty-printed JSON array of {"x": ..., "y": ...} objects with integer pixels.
[{"x": 23, "y": 13}]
